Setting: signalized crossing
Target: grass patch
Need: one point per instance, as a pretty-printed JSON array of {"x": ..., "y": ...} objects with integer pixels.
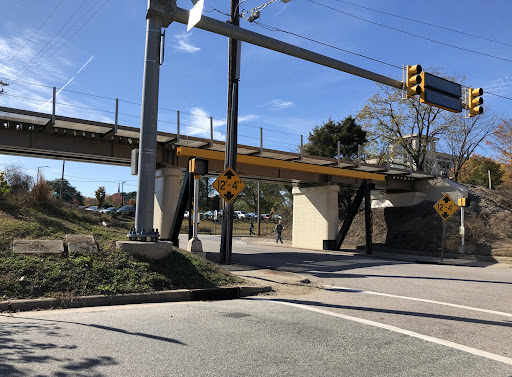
[{"x": 111, "y": 271}]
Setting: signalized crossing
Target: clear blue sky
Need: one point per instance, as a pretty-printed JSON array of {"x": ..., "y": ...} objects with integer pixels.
[{"x": 97, "y": 47}]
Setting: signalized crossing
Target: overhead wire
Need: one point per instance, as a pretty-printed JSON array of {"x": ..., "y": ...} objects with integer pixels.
[
  {"x": 409, "y": 33},
  {"x": 53, "y": 38},
  {"x": 425, "y": 23},
  {"x": 33, "y": 35},
  {"x": 67, "y": 40},
  {"x": 273, "y": 28}
]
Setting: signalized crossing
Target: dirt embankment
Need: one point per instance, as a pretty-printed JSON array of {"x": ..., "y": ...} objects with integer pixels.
[{"x": 488, "y": 226}]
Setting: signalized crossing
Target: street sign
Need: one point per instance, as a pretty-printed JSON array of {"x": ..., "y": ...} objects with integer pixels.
[
  {"x": 195, "y": 14},
  {"x": 229, "y": 185},
  {"x": 445, "y": 207},
  {"x": 438, "y": 92}
]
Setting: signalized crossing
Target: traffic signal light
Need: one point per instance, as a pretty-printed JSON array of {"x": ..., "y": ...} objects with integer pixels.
[
  {"x": 413, "y": 80},
  {"x": 474, "y": 101}
]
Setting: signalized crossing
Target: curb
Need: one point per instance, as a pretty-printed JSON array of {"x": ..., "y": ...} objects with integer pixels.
[{"x": 228, "y": 293}]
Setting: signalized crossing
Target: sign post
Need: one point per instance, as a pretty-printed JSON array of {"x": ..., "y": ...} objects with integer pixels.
[{"x": 445, "y": 207}]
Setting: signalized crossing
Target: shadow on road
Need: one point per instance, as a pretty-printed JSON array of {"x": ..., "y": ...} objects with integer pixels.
[
  {"x": 21, "y": 356},
  {"x": 324, "y": 266},
  {"x": 398, "y": 312}
]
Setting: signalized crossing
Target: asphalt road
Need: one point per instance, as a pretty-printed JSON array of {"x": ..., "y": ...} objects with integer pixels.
[
  {"x": 469, "y": 306},
  {"x": 358, "y": 316},
  {"x": 225, "y": 338}
]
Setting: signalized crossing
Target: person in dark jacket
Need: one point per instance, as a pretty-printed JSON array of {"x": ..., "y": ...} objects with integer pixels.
[{"x": 279, "y": 229}]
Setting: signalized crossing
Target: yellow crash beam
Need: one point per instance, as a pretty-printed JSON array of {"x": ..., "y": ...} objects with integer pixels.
[{"x": 280, "y": 164}]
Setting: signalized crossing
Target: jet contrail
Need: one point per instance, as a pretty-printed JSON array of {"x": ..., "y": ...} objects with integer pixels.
[{"x": 70, "y": 80}]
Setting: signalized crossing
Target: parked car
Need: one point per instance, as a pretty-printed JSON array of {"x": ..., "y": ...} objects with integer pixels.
[
  {"x": 277, "y": 217},
  {"x": 208, "y": 215},
  {"x": 92, "y": 208},
  {"x": 241, "y": 215},
  {"x": 265, "y": 216},
  {"x": 252, "y": 215},
  {"x": 108, "y": 210},
  {"x": 126, "y": 210}
]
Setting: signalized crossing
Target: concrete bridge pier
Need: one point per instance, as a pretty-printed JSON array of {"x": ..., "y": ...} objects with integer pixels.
[
  {"x": 167, "y": 192},
  {"x": 315, "y": 215}
]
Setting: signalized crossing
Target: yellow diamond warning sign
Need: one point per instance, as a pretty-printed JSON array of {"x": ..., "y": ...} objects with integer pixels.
[
  {"x": 229, "y": 185},
  {"x": 446, "y": 207}
]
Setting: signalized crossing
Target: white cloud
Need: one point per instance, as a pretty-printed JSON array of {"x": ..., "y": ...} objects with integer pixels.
[
  {"x": 197, "y": 123},
  {"x": 500, "y": 86},
  {"x": 30, "y": 82},
  {"x": 184, "y": 44},
  {"x": 247, "y": 118},
  {"x": 280, "y": 104}
]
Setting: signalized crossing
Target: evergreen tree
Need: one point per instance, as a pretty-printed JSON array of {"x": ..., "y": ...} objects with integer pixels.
[{"x": 323, "y": 140}]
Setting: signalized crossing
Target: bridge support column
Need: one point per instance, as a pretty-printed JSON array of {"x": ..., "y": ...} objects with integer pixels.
[
  {"x": 167, "y": 192},
  {"x": 315, "y": 215}
]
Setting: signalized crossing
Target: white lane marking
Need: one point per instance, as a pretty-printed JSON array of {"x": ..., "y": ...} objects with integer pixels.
[
  {"x": 355, "y": 290},
  {"x": 413, "y": 334}
]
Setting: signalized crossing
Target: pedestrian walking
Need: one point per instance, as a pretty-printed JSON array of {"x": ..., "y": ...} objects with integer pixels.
[
  {"x": 251, "y": 229},
  {"x": 279, "y": 229}
]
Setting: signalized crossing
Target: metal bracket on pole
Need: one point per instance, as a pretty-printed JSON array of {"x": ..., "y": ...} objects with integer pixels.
[
  {"x": 162, "y": 48},
  {"x": 164, "y": 9}
]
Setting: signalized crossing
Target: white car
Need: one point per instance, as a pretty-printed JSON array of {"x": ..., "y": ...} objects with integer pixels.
[{"x": 241, "y": 215}]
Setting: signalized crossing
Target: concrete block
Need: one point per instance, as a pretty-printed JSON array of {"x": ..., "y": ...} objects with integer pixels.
[
  {"x": 151, "y": 250},
  {"x": 78, "y": 243},
  {"x": 38, "y": 246}
]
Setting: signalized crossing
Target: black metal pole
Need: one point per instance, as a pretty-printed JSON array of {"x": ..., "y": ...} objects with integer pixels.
[
  {"x": 231, "y": 135},
  {"x": 368, "y": 218}
]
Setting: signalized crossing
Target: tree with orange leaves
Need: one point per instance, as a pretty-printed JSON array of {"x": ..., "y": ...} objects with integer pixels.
[{"x": 501, "y": 141}]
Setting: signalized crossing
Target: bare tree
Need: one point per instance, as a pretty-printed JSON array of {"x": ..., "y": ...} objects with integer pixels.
[
  {"x": 464, "y": 135},
  {"x": 389, "y": 119}
]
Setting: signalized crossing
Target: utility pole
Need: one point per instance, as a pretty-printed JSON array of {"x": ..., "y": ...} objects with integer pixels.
[
  {"x": 122, "y": 192},
  {"x": 226, "y": 242},
  {"x": 62, "y": 179}
]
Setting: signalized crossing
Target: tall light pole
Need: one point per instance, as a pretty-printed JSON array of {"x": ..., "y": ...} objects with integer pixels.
[
  {"x": 160, "y": 14},
  {"x": 38, "y": 171}
]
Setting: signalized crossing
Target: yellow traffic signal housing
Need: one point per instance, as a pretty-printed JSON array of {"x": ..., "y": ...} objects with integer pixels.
[
  {"x": 413, "y": 80},
  {"x": 474, "y": 101}
]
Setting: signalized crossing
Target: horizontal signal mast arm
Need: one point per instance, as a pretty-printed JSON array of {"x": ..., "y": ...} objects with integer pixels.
[
  {"x": 235, "y": 32},
  {"x": 280, "y": 164}
]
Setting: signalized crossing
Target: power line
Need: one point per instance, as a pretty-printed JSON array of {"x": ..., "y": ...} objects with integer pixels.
[
  {"x": 67, "y": 40},
  {"x": 51, "y": 40},
  {"x": 272, "y": 28},
  {"x": 409, "y": 33},
  {"x": 33, "y": 35},
  {"x": 426, "y": 23},
  {"x": 498, "y": 95}
]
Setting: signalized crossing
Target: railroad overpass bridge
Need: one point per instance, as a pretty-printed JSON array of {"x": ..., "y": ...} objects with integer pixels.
[{"x": 316, "y": 179}]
